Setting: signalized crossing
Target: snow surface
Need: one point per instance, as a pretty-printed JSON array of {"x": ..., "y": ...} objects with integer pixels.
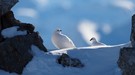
[
  {"x": 100, "y": 60},
  {"x": 12, "y": 31}
]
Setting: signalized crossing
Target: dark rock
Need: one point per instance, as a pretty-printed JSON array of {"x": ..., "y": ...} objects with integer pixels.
[
  {"x": 126, "y": 60},
  {"x": 0, "y": 24},
  {"x": 0, "y": 8},
  {"x": 6, "y": 5},
  {"x": 132, "y": 37},
  {"x": 26, "y": 26},
  {"x": 8, "y": 20},
  {"x": 27, "y": 41},
  {"x": 65, "y": 60},
  {"x": 6, "y": 16},
  {"x": 15, "y": 52}
]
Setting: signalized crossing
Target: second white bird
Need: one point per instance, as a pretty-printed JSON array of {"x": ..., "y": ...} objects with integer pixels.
[{"x": 94, "y": 42}]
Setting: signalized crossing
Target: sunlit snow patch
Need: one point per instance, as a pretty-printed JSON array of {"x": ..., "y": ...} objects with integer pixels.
[{"x": 12, "y": 31}]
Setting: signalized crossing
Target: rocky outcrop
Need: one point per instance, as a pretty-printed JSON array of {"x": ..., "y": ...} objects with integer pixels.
[
  {"x": 8, "y": 20},
  {"x": 126, "y": 60},
  {"x": 6, "y": 5},
  {"x": 132, "y": 37},
  {"x": 66, "y": 61},
  {"x": 15, "y": 52}
]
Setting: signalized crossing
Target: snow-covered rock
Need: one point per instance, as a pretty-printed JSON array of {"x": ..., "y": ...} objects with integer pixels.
[
  {"x": 15, "y": 53},
  {"x": 61, "y": 41},
  {"x": 12, "y": 31}
]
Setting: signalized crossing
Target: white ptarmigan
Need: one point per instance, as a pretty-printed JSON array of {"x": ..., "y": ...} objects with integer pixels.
[
  {"x": 94, "y": 42},
  {"x": 61, "y": 41}
]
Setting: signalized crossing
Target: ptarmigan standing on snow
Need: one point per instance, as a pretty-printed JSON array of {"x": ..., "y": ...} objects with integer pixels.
[
  {"x": 94, "y": 42},
  {"x": 61, "y": 41}
]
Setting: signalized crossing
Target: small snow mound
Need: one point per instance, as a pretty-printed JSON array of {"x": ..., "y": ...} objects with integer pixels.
[
  {"x": 36, "y": 51},
  {"x": 11, "y": 32},
  {"x": 6, "y": 73}
]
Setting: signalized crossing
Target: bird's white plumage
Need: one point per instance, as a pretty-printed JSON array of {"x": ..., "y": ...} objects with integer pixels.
[
  {"x": 94, "y": 42},
  {"x": 12, "y": 31},
  {"x": 61, "y": 41}
]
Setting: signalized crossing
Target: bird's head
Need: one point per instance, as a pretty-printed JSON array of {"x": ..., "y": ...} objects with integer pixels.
[
  {"x": 58, "y": 30},
  {"x": 93, "y": 39}
]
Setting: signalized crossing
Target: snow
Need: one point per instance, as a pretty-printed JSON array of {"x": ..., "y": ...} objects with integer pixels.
[
  {"x": 98, "y": 60},
  {"x": 12, "y": 31}
]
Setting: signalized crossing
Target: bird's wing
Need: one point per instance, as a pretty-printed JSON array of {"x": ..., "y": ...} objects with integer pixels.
[{"x": 67, "y": 40}]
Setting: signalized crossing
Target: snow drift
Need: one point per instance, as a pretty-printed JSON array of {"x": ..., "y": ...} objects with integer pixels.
[{"x": 97, "y": 60}]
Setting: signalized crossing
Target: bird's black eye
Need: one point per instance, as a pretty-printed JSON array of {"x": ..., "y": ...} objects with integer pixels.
[
  {"x": 59, "y": 30},
  {"x": 91, "y": 39}
]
